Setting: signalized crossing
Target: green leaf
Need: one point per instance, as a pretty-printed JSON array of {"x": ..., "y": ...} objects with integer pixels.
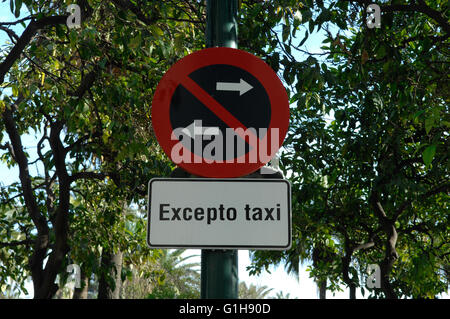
[
  {"x": 311, "y": 26},
  {"x": 285, "y": 33},
  {"x": 428, "y": 154},
  {"x": 304, "y": 39},
  {"x": 15, "y": 90},
  {"x": 418, "y": 113},
  {"x": 429, "y": 123},
  {"x": 386, "y": 67},
  {"x": 18, "y": 5}
]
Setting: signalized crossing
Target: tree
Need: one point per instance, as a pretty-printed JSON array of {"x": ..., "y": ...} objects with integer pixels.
[
  {"x": 252, "y": 291},
  {"x": 282, "y": 295},
  {"x": 367, "y": 150},
  {"x": 87, "y": 93},
  {"x": 178, "y": 279}
]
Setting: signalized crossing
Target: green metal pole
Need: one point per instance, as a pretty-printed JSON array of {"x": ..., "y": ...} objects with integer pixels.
[
  {"x": 219, "y": 268},
  {"x": 219, "y": 278},
  {"x": 221, "y": 24}
]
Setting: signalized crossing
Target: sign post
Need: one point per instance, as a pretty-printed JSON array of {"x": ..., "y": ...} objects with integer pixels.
[
  {"x": 219, "y": 268},
  {"x": 220, "y": 113}
]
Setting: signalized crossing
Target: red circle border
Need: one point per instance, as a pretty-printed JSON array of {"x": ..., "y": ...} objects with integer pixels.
[{"x": 279, "y": 103}]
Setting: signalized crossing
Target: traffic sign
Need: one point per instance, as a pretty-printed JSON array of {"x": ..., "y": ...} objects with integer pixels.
[
  {"x": 220, "y": 112},
  {"x": 248, "y": 214}
]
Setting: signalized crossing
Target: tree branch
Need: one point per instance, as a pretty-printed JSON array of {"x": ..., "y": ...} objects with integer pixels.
[
  {"x": 24, "y": 176},
  {"x": 127, "y": 5},
  {"x": 87, "y": 175},
  {"x": 422, "y": 7},
  {"x": 26, "y": 242},
  {"x": 364, "y": 246},
  {"x": 85, "y": 84},
  {"x": 12, "y": 35},
  {"x": 60, "y": 222},
  {"x": 25, "y": 39},
  {"x": 378, "y": 208},
  {"x": 16, "y": 22},
  {"x": 436, "y": 190},
  {"x": 42, "y": 239},
  {"x": 391, "y": 254}
]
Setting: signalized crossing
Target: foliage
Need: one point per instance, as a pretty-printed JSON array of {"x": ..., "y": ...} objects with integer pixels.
[
  {"x": 179, "y": 279},
  {"x": 367, "y": 151},
  {"x": 252, "y": 291},
  {"x": 85, "y": 94},
  {"x": 283, "y": 295}
]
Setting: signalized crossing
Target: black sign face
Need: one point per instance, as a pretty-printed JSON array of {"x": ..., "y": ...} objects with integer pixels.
[
  {"x": 220, "y": 112},
  {"x": 236, "y": 90}
]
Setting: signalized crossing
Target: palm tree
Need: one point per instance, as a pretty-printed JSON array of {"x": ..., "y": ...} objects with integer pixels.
[
  {"x": 180, "y": 273},
  {"x": 252, "y": 291},
  {"x": 281, "y": 295},
  {"x": 180, "y": 279},
  {"x": 170, "y": 276}
]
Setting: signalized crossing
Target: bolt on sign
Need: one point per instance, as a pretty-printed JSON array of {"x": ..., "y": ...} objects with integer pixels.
[{"x": 220, "y": 112}]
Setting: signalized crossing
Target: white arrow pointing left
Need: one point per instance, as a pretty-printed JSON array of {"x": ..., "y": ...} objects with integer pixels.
[
  {"x": 196, "y": 128},
  {"x": 242, "y": 87}
]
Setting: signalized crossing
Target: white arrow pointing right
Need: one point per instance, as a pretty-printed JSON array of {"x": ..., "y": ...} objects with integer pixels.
[{"x": 242, "y": 87}]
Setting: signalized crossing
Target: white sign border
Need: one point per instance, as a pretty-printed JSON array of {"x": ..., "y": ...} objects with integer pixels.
[{"x": 214, "y": 247}]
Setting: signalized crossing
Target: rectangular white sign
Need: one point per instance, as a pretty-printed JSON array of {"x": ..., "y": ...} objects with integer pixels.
[{"x": 219, "y": 213}]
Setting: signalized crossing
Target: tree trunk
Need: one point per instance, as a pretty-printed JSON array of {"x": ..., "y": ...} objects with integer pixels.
[
  {"x": 388, "y": 262},
  {"x": 346, "y": 267},
  {"x": 82, "y": 292},
  {"x": 322, "y": 289},
  {"x": 59, "y": 294},
  {"x": 390, "y": 250},
  {"x": 110, "y": 283},
  {"x": 352, "y": 292}
]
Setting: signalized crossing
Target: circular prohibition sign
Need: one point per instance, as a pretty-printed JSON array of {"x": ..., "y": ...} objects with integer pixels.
[{"x": 212, "y": 91}]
